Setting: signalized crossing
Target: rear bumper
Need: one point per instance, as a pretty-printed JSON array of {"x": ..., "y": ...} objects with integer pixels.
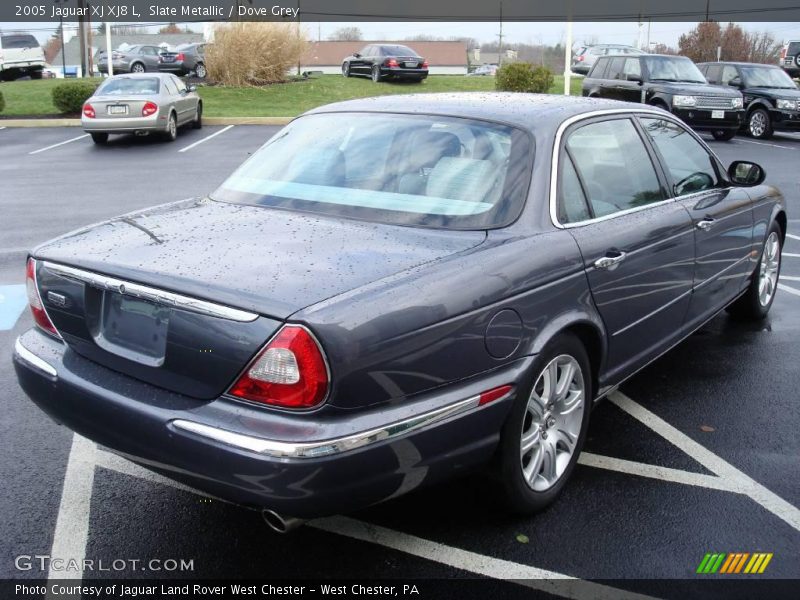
[
  {"x": 299, "y": 465},
  {"x": 155, "y": 122},
  {"x": 701, "y": 119},
  {"x": 400, "y": 73},
  {"x": 175, "y": 67}
]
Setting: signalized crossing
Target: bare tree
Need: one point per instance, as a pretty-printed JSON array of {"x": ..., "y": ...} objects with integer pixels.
[
  {"x": 346, "y": 34},
  {"x": 762, "y": 47},
  {"x": 663, "y": 49}
]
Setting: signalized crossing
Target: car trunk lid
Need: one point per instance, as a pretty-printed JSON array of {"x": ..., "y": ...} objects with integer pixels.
[{"x": 118, "y": 291}]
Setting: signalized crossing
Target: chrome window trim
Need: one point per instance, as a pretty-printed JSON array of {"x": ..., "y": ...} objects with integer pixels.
[
  {"x": 333, "y": 446},
  {"x": 26, "y": 356},
  {"x": 152, "y": 294},
  {"x": 659, "y": 113}
]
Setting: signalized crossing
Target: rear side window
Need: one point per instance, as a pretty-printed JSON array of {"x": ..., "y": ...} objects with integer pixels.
[
  {"x": 729, "y": 73},
  {"x": 170, "y": 86},
  {"x": 615, "y": 67},
  {"x": 572, "y": 207},
  {"x": 18, "y": 41},
  {"x": 599, "y": 69},
  {"x": 613, "y": 164},
  {"x": 690, "y": 167}
]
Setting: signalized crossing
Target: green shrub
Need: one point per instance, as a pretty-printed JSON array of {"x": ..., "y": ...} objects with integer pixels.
[
  {"x": 523, "y": 77},
  {"x": 69, "y": 97},
  {"x": 2, "y": 102}
]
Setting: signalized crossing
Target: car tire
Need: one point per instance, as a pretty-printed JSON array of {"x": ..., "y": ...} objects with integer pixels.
[
  {"x": 36, "y": 74},
  {"x": 345, "y": 69},
  {"x": 197, "y": 123},
  {"x": 759, "y": 125},
  {"x": 376, "y": 74},
  {"x": 138, "y": 67},
  {"x": 755, "y": 303},
  {"x": 172, "y": 128},
  {"x": 723, "y": 135},
  {"x": 99, "y": 138},
  {"x": 533, "y": 478},
  {"x": 200, "y": 71}
]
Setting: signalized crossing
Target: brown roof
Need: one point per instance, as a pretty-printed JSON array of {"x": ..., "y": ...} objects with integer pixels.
[{"x": 439, "y": 54}]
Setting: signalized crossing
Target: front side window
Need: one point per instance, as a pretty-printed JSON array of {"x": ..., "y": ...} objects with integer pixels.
[
  {"x": 632, "y": 68},
  {"x": 729, "y": 73},
  {"x": 427, "y": 171},
  {"x": 689, "y": 164},
  {"x": 614, "y": 166}
]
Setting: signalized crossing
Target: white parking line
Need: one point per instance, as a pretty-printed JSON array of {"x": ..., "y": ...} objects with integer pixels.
[
  {"x": 737, "y": 480},
  {"x": 72, "y": 525},
  {"x": 765, "y": 144},
  {"x": 790, "y": 254},
  {"x": 794, "y": 237},
  {"x": 2, "y": 128},
  {"x": 787, "y": 289},
  {"x": 786, "y": 277},
  {"x": 80, "y": 137},
  {"x": 205, "y": 139}
]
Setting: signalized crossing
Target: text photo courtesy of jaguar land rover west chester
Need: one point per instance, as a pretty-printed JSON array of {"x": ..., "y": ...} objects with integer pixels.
[{"x": 453, "y": 276}]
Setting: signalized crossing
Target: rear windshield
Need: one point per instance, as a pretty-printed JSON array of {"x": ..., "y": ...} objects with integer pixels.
[
  {"x": 127, "y": 86},
  {"x": 397, "y": 51},
  {"x": 767, "y": 77},
  {"x": 793, "y": 49},
  {"x": 18, "y": 41},
  {"x": 426, "y": 171}
]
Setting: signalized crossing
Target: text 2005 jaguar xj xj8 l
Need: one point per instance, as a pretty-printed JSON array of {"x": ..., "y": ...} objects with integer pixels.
[{"x": 393, "y": 290}]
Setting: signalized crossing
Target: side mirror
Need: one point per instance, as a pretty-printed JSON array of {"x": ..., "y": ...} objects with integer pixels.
[
  {"x": 746, "y": 174},
  {"x": 192, "y": 88},
  {"x": 356, "y": 55},
  {"x": 636, "y": 78},
  {"x": 735, "y": 82}
]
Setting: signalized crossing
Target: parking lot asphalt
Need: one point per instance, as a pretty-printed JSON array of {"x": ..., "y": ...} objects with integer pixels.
[{"x": 698, "y": 453}]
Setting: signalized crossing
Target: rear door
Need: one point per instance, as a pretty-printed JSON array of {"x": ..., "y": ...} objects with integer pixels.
[
  {"x": 721, "y": 215},
  {"x": 629, "y": 86},
  {"x": 184, "y": 102},
  {"x": 612, "y": 87},
  {"x": 150, "y": 57},
  {"x": 637, "y": 245}
]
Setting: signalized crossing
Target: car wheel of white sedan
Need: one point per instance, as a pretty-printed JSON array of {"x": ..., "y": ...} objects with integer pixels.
[
  {"x": 544, "y": 433},
  {"x": 172, "y": 128},
  {"x": 197, "y": 123},
  {"x": 137, "y": 68},
  {"x": 99, "y": 138}
]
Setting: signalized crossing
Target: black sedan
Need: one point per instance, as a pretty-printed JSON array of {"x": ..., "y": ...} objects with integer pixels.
[
  {"x": 381, "y": 62},
  {"x": 396, "y": 290},
  {"x": 771, "y": 98}
]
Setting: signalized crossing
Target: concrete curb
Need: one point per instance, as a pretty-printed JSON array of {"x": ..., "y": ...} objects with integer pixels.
[{"x": 206, "y": 121}]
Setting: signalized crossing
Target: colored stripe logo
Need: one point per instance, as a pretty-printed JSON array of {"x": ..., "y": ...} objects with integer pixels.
[{"x": 734, "y": 563}]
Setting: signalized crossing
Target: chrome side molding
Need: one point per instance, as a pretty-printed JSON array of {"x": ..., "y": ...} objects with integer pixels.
[
  {"x": 280, "y": 449},
  {"x": 152, "y": 294}
]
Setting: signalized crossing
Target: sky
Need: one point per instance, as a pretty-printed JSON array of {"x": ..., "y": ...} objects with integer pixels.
[{"x": 530, "y": 32}]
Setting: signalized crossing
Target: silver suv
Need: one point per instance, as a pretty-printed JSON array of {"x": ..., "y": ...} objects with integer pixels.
[
  {"x": 20, "y": 55},
  {"x": 585, "y": 57},
  {"x": 790, "y": 58}
]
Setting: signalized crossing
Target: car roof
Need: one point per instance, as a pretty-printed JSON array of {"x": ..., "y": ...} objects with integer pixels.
[
  {"x": 737, "y": 63},
  {"x": 520, "y": 110}
]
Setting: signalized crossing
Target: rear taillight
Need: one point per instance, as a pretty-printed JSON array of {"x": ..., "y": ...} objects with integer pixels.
[
  {"x": 88, "y": 111},
  {"x": 116, "y": 56},
  {"x": 180, "y": 56},
  {"x": 580, "y": 59},
  {"x": 783, "y": 53},
  {"x": 289, "y": 373},
  {"x": 392, "y": 62},
  {"x": 149, "y": 109},
  {"x": 424, "y": 64},
  {"x": 35, "y": 301}
]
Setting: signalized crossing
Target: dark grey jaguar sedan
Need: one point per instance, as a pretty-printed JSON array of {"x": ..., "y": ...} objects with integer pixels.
[{"x": 395, "y": 290}]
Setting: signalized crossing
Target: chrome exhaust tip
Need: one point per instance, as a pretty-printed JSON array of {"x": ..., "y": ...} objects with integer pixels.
[{"x": 278, "y": 523}]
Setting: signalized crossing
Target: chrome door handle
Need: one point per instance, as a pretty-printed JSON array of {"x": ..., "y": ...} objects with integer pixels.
[
  {"x": 705, "y": 224},
  {"x": 609, "y": 263}
]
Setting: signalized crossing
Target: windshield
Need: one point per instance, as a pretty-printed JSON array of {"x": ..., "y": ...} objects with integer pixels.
[
  {"x": 767, "y": 77},
  {"x": 667, "y": 68},
  {"x": 18, "y": 41},
  {"x": 128, "y": 86},
  {"x": 407, "y": 170}
]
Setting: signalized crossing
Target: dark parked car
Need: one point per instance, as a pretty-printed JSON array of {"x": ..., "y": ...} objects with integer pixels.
[
  {"x": 133, "y": 59},
  {"x": 670, "y": 82},
  {"x": 184, "y": 60},
  {"x": 395, "y": 290},
  {"x": 771, "y": 98},
  {"x": 386, "y": 62},
  {"x": 790, "y": 58}
]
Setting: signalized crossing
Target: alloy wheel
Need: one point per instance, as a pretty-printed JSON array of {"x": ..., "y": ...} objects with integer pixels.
[
  {"x": 552, "y": 422},
  {"x": 138, "y": 68},
  {"x": 200, "y": 71},
  {"x": 757, "y": 124},
  {"x": 768, "y": 269}
]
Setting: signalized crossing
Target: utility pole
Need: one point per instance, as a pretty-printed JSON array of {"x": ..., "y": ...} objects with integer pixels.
[
  {"x": 500, "y": 36},
  {"x": 568, "y": 58},
  {"x": 108, "y": 50},
  {"x": 89, "y": 34},
  {"x": 82, "y": 36}
]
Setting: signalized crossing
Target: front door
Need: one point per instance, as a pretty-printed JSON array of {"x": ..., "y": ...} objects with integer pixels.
[
  {"x": 637, "y": 245},
  {"x": 722, "y": 216}
]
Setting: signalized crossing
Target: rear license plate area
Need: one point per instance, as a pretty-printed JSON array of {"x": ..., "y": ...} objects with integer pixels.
[
  {"x": 132, "y": 328},
  {"x": 717, "y": 114},
  {"x": 410, "y": 65},
  {"x": 117, "y": 109}
]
